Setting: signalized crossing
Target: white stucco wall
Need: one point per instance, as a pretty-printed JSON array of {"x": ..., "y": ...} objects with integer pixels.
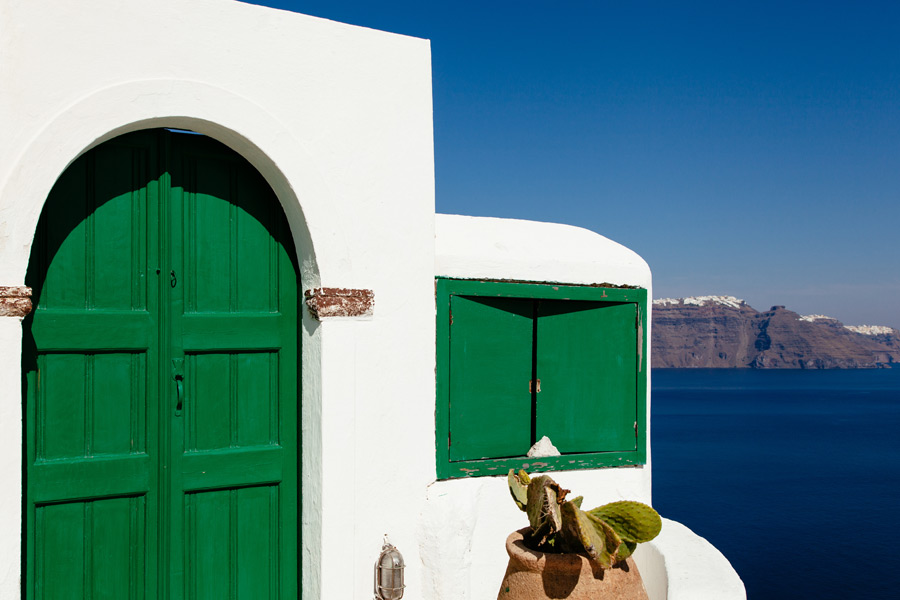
[
  {"x": 466, "y": 521},
  {"x": 10, "y": 457},
  {"x": 339, "y": 121}
]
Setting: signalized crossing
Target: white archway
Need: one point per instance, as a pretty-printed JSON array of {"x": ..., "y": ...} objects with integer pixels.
[
  {"x": 237, "y": 122},
  {"x": 253, "y": 133}
]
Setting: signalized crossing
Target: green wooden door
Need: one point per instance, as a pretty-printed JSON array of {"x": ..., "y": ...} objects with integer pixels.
[{"x": 160, "y": 376}]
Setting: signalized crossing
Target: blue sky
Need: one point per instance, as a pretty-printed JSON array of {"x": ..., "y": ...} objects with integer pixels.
[{"x": 742, "y": 148}]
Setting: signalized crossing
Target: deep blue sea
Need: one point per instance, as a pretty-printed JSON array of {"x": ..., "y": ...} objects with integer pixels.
[{"x": 794, "y": 475}]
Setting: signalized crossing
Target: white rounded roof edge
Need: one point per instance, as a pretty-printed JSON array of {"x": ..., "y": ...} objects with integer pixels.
[{"x": 491, "y": 248}]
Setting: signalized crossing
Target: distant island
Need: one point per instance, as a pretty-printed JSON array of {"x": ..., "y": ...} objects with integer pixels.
[{"x": 726, "y": 332}]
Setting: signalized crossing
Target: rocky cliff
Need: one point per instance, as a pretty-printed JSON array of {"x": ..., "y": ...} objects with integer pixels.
[{"x": 725, "y": 332}]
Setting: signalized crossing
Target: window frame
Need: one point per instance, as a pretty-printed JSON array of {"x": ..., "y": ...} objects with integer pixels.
[{"x": 445, "y": 289}]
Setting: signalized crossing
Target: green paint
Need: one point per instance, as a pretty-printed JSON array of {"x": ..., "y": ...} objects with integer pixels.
[
  {"x": 160, "y": 376},
  {"x": 584, "y": 344}
]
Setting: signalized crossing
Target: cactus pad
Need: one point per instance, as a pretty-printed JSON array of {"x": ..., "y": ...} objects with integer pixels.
[
  {"x": 625, "y": 550},
  {"x": 518, "y": 487},
  {"x": 542, "y": 507},
  {"x": 594, "y": 537},
  {"x": 632, "y": 521}
]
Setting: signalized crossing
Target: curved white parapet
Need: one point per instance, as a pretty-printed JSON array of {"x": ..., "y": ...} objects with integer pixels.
[
  {"x": 681, "y": 565},
  {"x": 492, "y": 248}
]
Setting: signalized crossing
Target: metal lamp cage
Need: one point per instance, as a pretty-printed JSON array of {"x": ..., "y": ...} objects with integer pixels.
[{"x": 389, "y": 573}]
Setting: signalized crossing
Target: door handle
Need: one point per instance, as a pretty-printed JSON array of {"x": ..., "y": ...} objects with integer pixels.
[
  {"x": 178, "y": 376},
  {"x": 179, "y": 385}
]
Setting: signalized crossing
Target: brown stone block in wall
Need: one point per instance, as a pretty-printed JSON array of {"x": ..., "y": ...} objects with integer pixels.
[
  {"x": 15, "y": 301},
  {"x": 339, "y": 302}
]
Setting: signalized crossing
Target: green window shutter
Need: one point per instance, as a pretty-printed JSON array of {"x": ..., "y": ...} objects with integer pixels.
[
  {"x": 583, "y": 344},
  {"x": 490, "y": 369},
  {"x": 587, "y": 364}
]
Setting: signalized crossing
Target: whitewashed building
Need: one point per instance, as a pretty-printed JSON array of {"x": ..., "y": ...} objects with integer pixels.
[{"x": 227, "y": 385}]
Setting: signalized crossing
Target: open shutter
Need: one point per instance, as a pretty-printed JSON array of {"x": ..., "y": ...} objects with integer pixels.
[
  {"x": 587, "y": 364},
  {"x": 490, "y": 369}
]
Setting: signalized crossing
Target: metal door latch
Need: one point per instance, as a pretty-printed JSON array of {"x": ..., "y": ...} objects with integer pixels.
[{"x": 178, "y": 376}]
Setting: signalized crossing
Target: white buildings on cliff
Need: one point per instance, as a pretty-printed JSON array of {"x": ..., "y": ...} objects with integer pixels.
[{"x": 228, "y": 381}]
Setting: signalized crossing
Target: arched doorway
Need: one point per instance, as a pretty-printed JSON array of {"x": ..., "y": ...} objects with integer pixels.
[{"x": 160, "y": 375}]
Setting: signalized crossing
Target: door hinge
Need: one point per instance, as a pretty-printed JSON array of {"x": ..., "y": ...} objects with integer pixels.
[{"x": 534, "y": 389}]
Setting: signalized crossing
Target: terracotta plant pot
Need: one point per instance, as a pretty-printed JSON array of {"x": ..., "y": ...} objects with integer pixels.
[{"x": 533, "y": 575}]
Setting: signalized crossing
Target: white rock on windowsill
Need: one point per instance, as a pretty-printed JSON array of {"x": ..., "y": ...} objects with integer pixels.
[{"x": 543, "y": 447}]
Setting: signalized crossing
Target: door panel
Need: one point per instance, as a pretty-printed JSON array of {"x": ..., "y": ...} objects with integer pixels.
[
  {"x": 153, "y": 247},
  {"x": 91, "y": 405},
  {"x": 93, "y": 241},
  {"x": 235, "y": 532},
  {"x": 110, "y": 566},
  {"x": 117, "y": 528},
  {"x": 233, "y": 400}
]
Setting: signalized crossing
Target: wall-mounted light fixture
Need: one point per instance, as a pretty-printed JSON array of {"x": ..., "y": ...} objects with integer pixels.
[{"x": 389, "y": 573}]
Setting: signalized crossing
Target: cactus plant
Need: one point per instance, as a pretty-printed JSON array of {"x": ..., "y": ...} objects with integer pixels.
[{"x": 608, "y": 534}]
